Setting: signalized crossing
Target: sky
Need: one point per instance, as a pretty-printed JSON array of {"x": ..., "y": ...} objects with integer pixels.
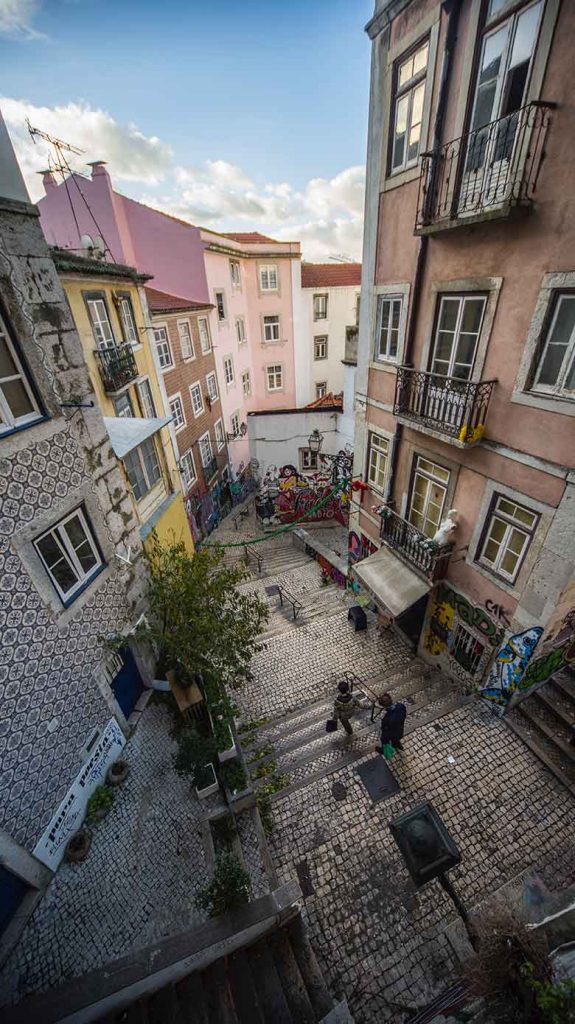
[{"x": 246, "y": 116}]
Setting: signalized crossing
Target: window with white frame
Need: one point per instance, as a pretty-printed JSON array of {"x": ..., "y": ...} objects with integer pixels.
[
  {"x": 100, "y": 320},
  {"x": 508, "y": 532},
  {"x": 127, "y": 320},
  {"x": 143, "y": 468},
  {"x": 240, "y": 330},
  {"x": 18, "y": 405},
  {"x": 146, "y": 399},
  {"x": 163, "y": 348},
  {"x": 229, "y": 370},
  {"x": 320, "y": 347},
  {"x": 246, "y": 383},
  {"x": 196, "y": 399},
  {"x": 220, "y": 306},
  {"x": 188, "y": 470},
  {"x": 320, "y": 307},
  {"x": 457, "y": 333},
  {"x": 274, "y": 377},
  {"x": 204, "y": 332},
  {"x": 235, "y": 273},
  {"x": 410, "y": 76},
  {"x": 206, "y": 454},
  {"x": 555, "y": 372},
  {"x": 428, "y": 493},
  {"x": 212, "y": 386},
  {"x": 269, "y": 277},
  {"x": 186, "y": 340},
  {"x": 220, "y": 435},
  {"x": 235, "y": 424},
  {"x": 70, "y": 554},
  {"x": 388, "y": 321},
  {"x": 123, "y": 405},
  {"x": 271, "y": 328},
  {"x": 378, "y": 454},
  {"x": 321, "y": 389},
  {"x": 308, "y": 460},
  {"x": 177, "y": 411}
]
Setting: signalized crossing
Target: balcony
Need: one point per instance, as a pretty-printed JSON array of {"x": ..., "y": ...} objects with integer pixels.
[
  {"x": 456, "y": 410},
  {"x": 414, "y": 547},
  {"x": 117, "y": 367},
  {"x": 485, "y": 173},
  {"x": 210, "y": 469}
]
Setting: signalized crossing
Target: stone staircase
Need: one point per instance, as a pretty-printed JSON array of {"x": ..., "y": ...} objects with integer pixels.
[{"x": 546, "y": 722}]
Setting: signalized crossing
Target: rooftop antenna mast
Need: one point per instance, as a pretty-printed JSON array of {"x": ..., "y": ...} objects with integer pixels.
[{"x": 58, "y": 145}]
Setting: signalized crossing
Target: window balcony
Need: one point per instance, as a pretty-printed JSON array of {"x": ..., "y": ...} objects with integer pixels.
[
  {"x": 485, "y": 173},
  {"x": 210, "y": 470},
  {"x": 117, "y": 367},
  {"x": 414, "y": 547},
  {"x": 455, "y": 410}
]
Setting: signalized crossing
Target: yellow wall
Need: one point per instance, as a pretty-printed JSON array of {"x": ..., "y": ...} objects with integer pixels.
[{"x": 173, "y": 526}]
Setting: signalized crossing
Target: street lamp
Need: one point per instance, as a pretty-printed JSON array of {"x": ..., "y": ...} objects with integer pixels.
[{"x": 315, "y": 441}]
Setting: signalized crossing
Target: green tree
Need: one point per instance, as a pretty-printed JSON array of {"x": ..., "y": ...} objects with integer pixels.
[{"x": 230, "y": 887}]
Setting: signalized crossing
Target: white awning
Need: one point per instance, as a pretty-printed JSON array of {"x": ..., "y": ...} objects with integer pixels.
[
  {"x": 127, "y": 432},
  {"x": 390, "y": 581}
]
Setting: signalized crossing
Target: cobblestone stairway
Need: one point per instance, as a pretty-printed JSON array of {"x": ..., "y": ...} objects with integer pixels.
[{"x": 546, "y": 722}]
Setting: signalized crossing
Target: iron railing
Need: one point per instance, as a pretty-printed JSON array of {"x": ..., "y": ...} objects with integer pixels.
[
  {"x": 117, "y": 366},
  {"x": 413, "y": 546},
  {"x": 210, "y": 469},
  {"x": 485, "y": 171},
  {"x": 457, "y": 408}
]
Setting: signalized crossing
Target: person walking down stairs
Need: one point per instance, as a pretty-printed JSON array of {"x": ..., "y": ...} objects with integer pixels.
[{"x": 345, "y": 705}]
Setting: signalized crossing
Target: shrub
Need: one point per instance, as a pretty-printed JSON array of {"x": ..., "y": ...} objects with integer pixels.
[
  {"x": 194, "y": 752},
  {"x": 233, "y": 775},
  {"x": 555, "y": 1001},
  {"x": 230, "y": 887},
  {"x": 100, "y": 802}
]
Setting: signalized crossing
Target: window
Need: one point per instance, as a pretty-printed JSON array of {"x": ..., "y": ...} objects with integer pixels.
[
  {"x": 377, "y": 461},
  {"x": 320, "y": 307},
  {"x": 556, "y": 369},
  {"x": 508, "y": 534},
  {"x": 275, "y": 377},
  {"x": 143, "y": 468},
  {"x": 456, "y": 335},
  {"x": 271, "y": 328},
  {"x": 321, "y": 389},
  {"x": 427, "y": 498},
  {"x": 466, "y": 650},
  {"x": 146, "y": 399},
  {"x": 163, "y": 348},
  {"x": 235, "y": 424},
  {"x": 205, "y": 450},
  {"x": 100, "y": 320},
  {"x": 220, "y": 436},
  {"x": 123, "y": 405},
  {"x": 220, "y": 307},
  {"x": 70, "y": 554},
  {"x": 188, "y": 470},
  {"x": 269, "y": 277},
  {"x": 320, "y": 347},
  {"x": 235, "y": 273},
  {"x": 308, "y": 459},
  {"x": 18, "y": 406},
  {"x": 177, "y": 411},
  {"x": 246, "y": 383},
  {"x": 357, "y": 308},
  {"x": 408, "y": 108},
  {"x": 387, "y": 327},
  {"x": 126, "y": 313},
  {"x": 186, "y": 342},
  {"x": 212, "y": 386},
  {"x": 196, "y": 399},
  {"x": 228, "y": 370},
  {"x": 204, "y": 332},
  {"x": 240, "y": 330}
]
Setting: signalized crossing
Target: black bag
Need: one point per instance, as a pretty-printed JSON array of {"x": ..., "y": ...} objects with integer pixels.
[{"x": 331, "y": 725}]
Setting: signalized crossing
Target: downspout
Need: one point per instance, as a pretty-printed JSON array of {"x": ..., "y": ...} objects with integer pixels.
[{"x": 452, "y": 8}]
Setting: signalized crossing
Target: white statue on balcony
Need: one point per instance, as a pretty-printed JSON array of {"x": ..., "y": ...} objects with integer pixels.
[{"x": 444, "y": 535}]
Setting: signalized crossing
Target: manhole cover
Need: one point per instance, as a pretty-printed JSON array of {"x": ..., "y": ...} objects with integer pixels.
[
  {"x": 339, "y": 791},
  {"x": 378, "y": 779}
]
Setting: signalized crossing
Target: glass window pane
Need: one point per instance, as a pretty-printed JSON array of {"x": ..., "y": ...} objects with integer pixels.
[
  {"x": 564, "y": 321},
  {"x": 7, "y": 364},
  {"x": 491, "y": 550},
  {"x": 17, "y": 398},
  {"x": 405, "y": 71},
  {"x": 466, "y": 349},
  {"x": 472, "y": 313},
  {"x": 551, "y": 365},
  {"x": 420, "y": 59},
  {"x": 59, "y": 566},
  {"x": 525, "y": 33},
  {"x": 570, "y": 379},
  {"x": 448, "y": 315},
  {"x": 417, "y": 104},
  {"x": 509, "y": 562},
  {"x": 444, "y": 345},
  {"x": 516, "y": 542},
  {"x": 497, "y": 531}
]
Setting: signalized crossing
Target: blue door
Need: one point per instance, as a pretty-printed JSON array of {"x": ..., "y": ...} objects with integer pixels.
[
  {"x": 12, "y": 892},
  {"x": 127, "y": 685}
]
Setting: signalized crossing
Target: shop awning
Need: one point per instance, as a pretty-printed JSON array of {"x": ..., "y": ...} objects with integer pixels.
[
  {"x": 390, "y": 581},
  {"x": 127, "y": 432}
]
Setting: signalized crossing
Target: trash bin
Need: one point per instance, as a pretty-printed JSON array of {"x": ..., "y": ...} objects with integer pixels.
[{"x": 358, "y": 617}]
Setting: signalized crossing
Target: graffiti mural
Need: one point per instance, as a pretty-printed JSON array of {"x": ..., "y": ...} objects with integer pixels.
[
  {"x": 460, "y": 634},
  {"x": 287, "y": 497},
  {"x": 359, "y": 547},
  {"x": 509, "y": 666},
  {"x": 557, "y": 648}
]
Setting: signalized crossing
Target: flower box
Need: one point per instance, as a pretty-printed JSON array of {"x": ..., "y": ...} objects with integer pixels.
[
  {"x": 208, "y": 783},
  {"x": 230, "y": 750}
]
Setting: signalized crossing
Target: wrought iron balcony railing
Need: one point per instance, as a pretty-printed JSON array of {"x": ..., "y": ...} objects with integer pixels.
[
  {"x": 117, "y": 366},
  {"x": 210, "y": 469},
  {"x": 454, "y": 407},
  {"x": 485, "y": 172},
  {"x": 413, "y": 546}
]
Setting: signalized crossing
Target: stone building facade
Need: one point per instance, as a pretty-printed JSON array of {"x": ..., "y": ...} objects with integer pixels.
[{"x": 64, "y": 517}]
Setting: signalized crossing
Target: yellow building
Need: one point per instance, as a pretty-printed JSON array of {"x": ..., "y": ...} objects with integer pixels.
[{"x": 109, "y": 308}]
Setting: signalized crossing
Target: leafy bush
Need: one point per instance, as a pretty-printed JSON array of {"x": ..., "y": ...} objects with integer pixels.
[
  {"x": 233, "y": 775},
  {"x": 102, "y": 799},
  {"x": 230, "y": 887},
  {"x": 556, "y": 1001},
  {"x": 194, "y": 752},
  {"x": 265, "y": 808},
  {"x": 222, "y": 733},
  {"x": 224, "y": 830}
]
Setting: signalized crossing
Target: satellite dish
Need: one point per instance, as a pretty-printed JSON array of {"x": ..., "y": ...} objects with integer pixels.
[
  {"x": 99, "y": 247},
  {"x": 87, "y": 242}
]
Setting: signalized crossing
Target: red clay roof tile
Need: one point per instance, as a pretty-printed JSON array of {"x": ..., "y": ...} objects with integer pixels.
[{"x": 330, "y": 275}]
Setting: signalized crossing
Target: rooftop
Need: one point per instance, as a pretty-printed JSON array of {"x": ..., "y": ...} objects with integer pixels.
[
  {"x": 330, "y": 275},
  {"x": 329, "y": 401},
  {"x": 247, "y": 236},
  {"x": 67, "y": 260},
  {"x": 163, "y": 302}
]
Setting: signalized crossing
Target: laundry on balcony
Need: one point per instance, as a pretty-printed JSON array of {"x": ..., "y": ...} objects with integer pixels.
[
  {"x": 390, "y": 582},
  {"x": 127, "y": 432}
]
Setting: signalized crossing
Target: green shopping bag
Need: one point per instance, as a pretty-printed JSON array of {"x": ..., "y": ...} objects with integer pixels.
[{"x": 388, "y": 751}]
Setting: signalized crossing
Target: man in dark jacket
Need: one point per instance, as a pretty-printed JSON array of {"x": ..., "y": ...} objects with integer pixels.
[{"x": 392, "y": 723}]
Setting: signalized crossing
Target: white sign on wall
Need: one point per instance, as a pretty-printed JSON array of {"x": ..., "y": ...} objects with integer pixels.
[{"x": 70, "y": 814}]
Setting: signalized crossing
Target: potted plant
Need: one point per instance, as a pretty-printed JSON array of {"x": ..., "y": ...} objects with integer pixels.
[
  {"x": 117, "y": 773},
  {"x": 99, "y": 804},
  {"x": 230, "y": 887},
  {"x": 195, "y": 757},
  {"x": 234, "y": 777},
  {"x": 225, "y": 744},
  {"x": 77, "y": 847},
  {"x": 206, "y": 781}
]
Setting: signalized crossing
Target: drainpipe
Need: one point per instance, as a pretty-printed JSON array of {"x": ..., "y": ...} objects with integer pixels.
[{"x": 452, "y": 9}]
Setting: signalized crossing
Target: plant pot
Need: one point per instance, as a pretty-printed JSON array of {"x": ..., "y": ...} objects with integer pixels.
[
  {"x": 206, "y": 788},
  {"x": 78, "y": 847},
  {"x": 229, "y": 751},
  {"x": 117, "y": 773}
]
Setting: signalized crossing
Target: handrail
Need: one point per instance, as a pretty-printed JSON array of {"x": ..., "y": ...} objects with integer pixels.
[{"x": 117, "y": 366}]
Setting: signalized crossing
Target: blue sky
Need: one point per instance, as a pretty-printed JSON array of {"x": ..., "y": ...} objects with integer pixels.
[{"x": 278, "y": 91}]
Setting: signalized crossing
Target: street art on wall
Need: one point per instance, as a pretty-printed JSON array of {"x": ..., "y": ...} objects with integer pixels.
[
  {"x": 509, "y": 666},
  {"x": 359, "y": 547},
  {"x": 557, "y": 648},
  {"x": 464, "y": 652},
  {"x": 286, "y": 496}
]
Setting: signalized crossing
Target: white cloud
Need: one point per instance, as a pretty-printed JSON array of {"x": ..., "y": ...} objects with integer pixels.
[
  {"x": 326, "y": 215},
  {"x": 16, "y": 18}
]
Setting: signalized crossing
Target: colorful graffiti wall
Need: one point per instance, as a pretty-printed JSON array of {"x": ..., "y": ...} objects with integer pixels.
[
  {"x": 509, "y": 666},
  {"x": 460, "y": 635},
  {"x": 286, "y": 496},
  {"x": 557, "y": 648}
]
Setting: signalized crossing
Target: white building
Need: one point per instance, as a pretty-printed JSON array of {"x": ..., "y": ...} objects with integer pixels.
[{"x": 330, "y": 305}]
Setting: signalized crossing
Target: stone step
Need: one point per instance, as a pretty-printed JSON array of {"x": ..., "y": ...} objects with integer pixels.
[
  {"x": 555, "y": 707},
  {"x": 564, "y": 684},
  {"x": 544, "y": 750},
  {"x": 243, "y": 989},
  {"x": 566, "y": 751},
  {"x": 192, "y": 998},
  {"x": 305, "y": 957},
  {"x": 271, "y": 996},
  {"x": 221, "y": 1009},
  {"x": 291, "y": 979}
]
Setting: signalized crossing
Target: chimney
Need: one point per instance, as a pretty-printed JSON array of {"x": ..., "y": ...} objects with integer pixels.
[
  {"x": 98, "y": 168},
  {"x": 47, "y": 180}
]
